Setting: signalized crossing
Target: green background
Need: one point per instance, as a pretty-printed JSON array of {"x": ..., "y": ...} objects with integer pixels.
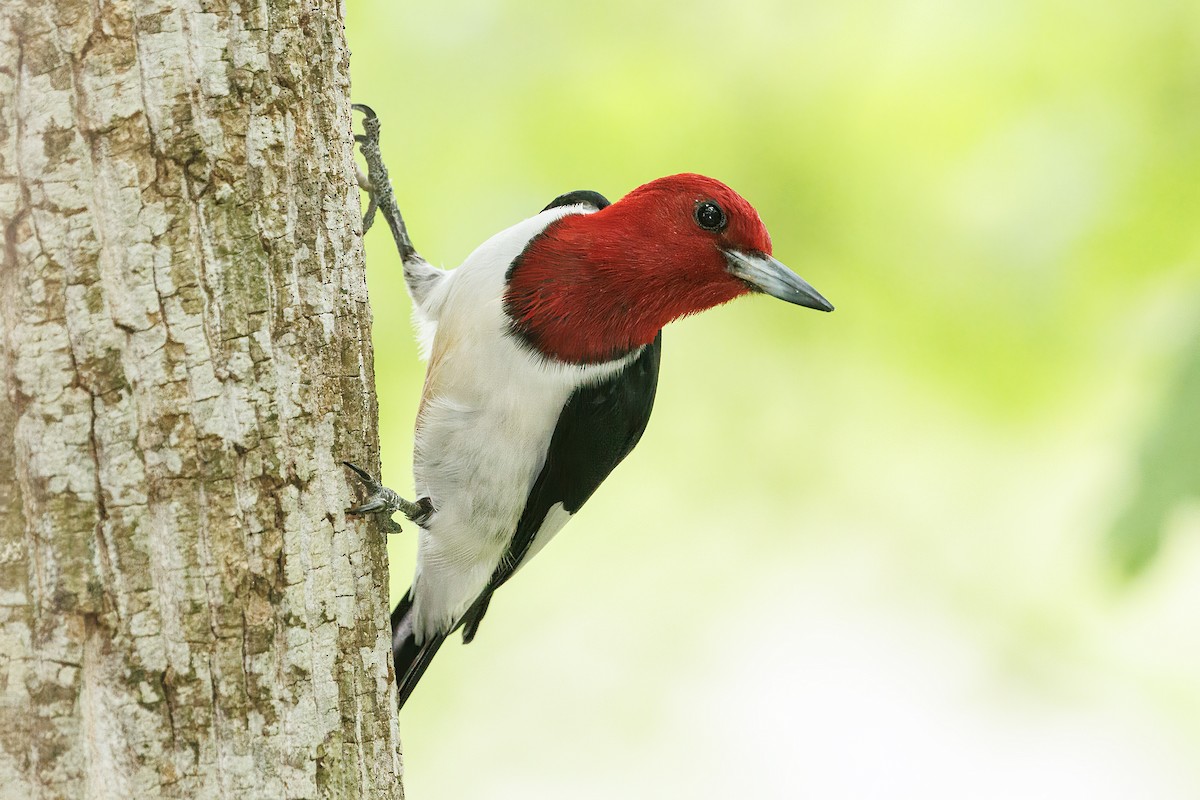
[{"x": 944, "y": 542}]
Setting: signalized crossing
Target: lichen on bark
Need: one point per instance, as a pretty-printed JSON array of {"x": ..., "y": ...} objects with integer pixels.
[{"x": 185, "y": 359}]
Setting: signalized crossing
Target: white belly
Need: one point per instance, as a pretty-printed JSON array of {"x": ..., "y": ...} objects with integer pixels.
[
  {"x": 489, "y": 408},
  {"x": 479, "y": 450}
]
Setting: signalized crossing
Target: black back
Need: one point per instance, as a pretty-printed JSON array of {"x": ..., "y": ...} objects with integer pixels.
[
  {"x": 597, "y": 428},
  {"x": 584, "y": 196}
]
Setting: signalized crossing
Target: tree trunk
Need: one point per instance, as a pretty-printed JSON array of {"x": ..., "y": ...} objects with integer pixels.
[{"x": 185, "y": 358}]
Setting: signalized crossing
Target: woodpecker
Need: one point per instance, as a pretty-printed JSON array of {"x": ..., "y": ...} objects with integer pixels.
[{"x": 543, "y": 352}]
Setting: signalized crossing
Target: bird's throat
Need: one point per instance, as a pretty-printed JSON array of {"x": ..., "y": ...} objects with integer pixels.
[{"x": 578, "y": 318}]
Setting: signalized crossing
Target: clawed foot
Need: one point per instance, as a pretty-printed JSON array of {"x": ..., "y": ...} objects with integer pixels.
[
  {"x": 377, "y": 185},
  {"x": 383, "y": 502}
]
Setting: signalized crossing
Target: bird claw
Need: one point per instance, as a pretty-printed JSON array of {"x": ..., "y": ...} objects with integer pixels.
[
  {"x": 382, "y": 502},
  {"x": 368, "y": 142},
  {"x": 376, "y": 184}
]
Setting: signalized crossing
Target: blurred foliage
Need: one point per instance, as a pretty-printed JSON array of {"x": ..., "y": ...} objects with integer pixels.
[
  {"x": 1002, "y": 198},
  {"x": 1169, "y": 474}
]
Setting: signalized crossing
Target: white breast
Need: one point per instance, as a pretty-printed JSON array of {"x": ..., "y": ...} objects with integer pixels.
[{"x": 488, "y": 411}]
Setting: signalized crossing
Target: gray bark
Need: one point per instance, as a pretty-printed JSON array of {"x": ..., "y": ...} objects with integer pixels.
[{"x": 185, "y": 358}]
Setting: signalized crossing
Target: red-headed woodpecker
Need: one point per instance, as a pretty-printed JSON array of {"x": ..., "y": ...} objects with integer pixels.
[{"x": 543, "y": 350}]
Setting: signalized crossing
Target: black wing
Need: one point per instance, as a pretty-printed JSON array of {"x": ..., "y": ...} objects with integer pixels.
[{"x": 598, "y": 427}]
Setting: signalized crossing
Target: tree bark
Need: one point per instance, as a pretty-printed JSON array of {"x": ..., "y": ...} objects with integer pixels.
[{"x": 185, "y": 359}]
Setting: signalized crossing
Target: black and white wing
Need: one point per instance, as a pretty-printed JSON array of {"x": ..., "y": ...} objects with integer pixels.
[{"x": 598, "y": 427}]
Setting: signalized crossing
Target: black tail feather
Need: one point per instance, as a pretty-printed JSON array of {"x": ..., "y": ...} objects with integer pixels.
[
  {"x": 470, "y": 621},
  {"x": 409, "y": 658}
]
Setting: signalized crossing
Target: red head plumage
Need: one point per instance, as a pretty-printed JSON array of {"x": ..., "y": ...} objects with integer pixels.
[{"x": 591, "y": 287}]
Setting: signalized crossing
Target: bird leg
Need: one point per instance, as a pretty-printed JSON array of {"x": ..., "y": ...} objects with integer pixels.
[
  {"x": 377, "y": 185},
  {"x": 383, "y": 502}
]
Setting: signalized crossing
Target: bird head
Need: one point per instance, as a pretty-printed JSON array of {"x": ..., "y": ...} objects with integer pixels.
[{"x": 594, "y": 286}]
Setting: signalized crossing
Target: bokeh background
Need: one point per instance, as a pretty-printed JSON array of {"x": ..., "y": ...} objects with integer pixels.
[{"x": 942, "y": 543}]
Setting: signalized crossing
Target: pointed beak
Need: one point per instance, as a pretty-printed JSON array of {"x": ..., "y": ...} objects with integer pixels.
[{"x": 768, "y": 275}]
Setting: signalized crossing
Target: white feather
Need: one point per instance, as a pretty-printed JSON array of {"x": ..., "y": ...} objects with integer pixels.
[
  {"x": 427, "y": 287},
  {"x": 488, "y": 410},
  {"x": 556, "y": 518}
]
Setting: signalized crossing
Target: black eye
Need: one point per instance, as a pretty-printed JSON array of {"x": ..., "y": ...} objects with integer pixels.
[{"x": 710, "y": 216}]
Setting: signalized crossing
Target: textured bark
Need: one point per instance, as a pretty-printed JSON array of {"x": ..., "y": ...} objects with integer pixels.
[{"x": 185, "y": 358}]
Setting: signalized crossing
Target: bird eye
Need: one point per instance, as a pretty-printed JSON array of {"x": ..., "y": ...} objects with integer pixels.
[{"x": 710, "y": 216}]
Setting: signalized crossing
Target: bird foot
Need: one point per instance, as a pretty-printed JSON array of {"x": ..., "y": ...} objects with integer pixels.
[
  {"x": 377, "y": 185},
  {"x": 383, "y": 502}
]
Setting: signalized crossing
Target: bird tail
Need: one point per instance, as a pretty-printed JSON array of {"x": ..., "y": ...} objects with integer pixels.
[{"x": 410, "y": 659}]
